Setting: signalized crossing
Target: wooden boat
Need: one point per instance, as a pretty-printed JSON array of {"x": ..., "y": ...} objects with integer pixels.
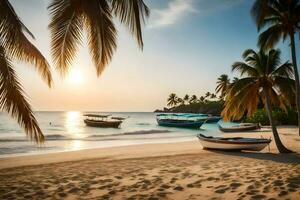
[
  {"x": 239, "y": 128},
  {"x": 118, "y": 118},
  {"x": 179, "y": 121},
  {"x": 101, "y": 121},
  {"x": 234, "y": 143}
]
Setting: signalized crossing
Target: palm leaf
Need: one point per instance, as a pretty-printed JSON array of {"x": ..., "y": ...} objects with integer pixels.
[
  {"x": 270, "y": 37},
  {"x": 133, "y": 14},
  {"x": 101, "y": 32},
  {"x": 244, "y": 68},
  {"x": 66, "y": 29},
  {"x": 13, "y": 101},
  {"x": 16, "y": 44}
]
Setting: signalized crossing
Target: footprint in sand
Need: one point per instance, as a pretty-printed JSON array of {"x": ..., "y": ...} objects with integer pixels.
[{"x": 178, "y": 188}]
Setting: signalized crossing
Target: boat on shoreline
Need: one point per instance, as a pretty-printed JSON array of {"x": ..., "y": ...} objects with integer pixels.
[
  {"x": 233, "y": 143},
  {"x": 102, "y": 121},
  {"x": 239, "y": 128},
  {"x": 179, "y": 121}
]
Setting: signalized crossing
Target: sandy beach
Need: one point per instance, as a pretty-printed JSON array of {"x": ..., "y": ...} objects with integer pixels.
[{"x": 157, "y": 171}]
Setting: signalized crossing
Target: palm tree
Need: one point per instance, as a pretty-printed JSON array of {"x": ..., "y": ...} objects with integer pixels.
[
  {"x": 201, "y": 99},
  {"x": 222, "y": 85},
  {"x": 193, "y": 99},
  {"x": 231, "y": 84},
  {"x": 172, "y": 100},
  {"x": 263, "y": 76},
  {"x": 207, "y": 94},
  {"x": 15, "y": 45},
  {"x": 180, "y": 101},
  {"x": 186, "y": 98},
  {"x": 212, "y": 96},
  {"x": 70, "y": 17},
  {"x": 281, "y": 19}
]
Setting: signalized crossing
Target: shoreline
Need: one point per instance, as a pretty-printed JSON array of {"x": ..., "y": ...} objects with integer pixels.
[
  {"x": 287, "y": 134},
  {"x": 179, "y": 170}
]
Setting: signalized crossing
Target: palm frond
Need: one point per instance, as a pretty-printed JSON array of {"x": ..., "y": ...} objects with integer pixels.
[
  {"x": 244, "y": 68},
  {"x": 66, "y": 28},
  {"x": 133, "y": 14},
  {"x": 16, "y": 44},
  {"x": 285, "y": 70},
  {"x": 13, "y": 101},
  {"x": 259, "y": 10},
  {"x": 270, "y": 37},
  {"x": 101, "y": 32}
]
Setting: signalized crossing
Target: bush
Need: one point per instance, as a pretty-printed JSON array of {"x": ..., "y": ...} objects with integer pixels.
[
  {"x": 260, "y": 116},
  {"x": 280, "y": 117}
]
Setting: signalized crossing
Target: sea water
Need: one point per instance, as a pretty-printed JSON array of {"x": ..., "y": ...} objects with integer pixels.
[{"x": 66, "y": 131}]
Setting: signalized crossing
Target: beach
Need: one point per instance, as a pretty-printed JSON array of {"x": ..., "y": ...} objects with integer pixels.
[{"x": 179, "y": 170}]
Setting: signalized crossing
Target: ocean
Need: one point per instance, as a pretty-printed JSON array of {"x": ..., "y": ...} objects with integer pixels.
[{"x": 66, "y": 131}]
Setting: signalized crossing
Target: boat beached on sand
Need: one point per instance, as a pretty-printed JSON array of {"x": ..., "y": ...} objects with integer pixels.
[
  {"x": 102, "y": 121},
  {"x": 239, "y": 128},
  {"x": 233, "y": 143},
  {"x": 179, "y": 121}
]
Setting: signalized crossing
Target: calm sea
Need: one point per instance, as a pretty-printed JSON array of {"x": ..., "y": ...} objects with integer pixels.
[{"x": 66, "y": 131}]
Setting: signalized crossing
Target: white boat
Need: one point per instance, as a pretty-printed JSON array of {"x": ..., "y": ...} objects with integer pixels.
[{"x": 234, "y": 143}]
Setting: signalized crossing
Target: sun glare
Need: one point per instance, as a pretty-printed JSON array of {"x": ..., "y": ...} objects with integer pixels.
[{"x": 75, "y": 76}]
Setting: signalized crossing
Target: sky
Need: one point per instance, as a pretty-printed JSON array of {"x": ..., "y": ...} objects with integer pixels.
[{"x": 188, "y": 44}]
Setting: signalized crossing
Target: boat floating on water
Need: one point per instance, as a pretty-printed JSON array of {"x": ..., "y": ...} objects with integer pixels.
[
  {"x": 102, "y": 121},
  {"x": 179, "y": 121},
  {"x": 239, "y": 128},
  {"x": 233, "y": 143}
]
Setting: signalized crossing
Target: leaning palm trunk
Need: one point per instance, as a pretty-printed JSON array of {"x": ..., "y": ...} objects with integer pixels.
[
  {"x": 294, "y": 60},
  {"x": 281, "y": 148}
]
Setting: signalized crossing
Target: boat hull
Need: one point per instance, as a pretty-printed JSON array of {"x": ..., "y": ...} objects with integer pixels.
[
  {"x": 238, "y": 129},
  {"x": 180, "y": 123},
  {"x": 102, "y": 124},
  {"x": 227, "y": 145},
  {"x": 213, "y": 120}
]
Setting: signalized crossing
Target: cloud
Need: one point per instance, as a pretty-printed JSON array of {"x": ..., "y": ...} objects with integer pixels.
[{"x": 177, "y": 10}]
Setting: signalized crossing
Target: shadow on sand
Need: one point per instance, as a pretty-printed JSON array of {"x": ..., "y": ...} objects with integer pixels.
[{"x": 292, "y": 158}]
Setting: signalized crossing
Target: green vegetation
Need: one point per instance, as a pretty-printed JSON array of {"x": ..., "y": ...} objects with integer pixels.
[
  {"x": 263, "y": 79},
  {"x": 280, "y": 117},
  {"x": 208, "y": 104},
  {"x": 281, "y": 19}
]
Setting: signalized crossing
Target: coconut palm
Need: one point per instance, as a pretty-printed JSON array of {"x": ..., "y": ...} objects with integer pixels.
[
  {"x": 223, "y": 83},
  {"x": 14, "y": 44},
  {"x": 262, "y": 77},
  {"x": 212, "y": 96},
  {"x": 234, "y": 80},
  {"x": 69, "y": 18},
  {"x": 172, "y": 100},
  {"x": 193, "y": 99},
  {"x": 201, "y": 99},
  {"x": 281, "y": 18},
  {"x": 180, "y": 101},
  {"x": 186, "y": 98},
  {"x": 207, "y": 94}
]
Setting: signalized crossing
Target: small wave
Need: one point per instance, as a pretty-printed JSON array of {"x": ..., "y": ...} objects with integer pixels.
[
  {"x": 141, "y": 132},
  {"x": 55, "y": 137}
]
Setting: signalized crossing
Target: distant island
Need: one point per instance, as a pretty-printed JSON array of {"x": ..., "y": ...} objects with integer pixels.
[{"x": 203, "y": 105}]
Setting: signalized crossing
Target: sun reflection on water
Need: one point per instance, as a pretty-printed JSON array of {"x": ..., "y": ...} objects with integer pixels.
[
  {"x": 73, "y": 122},
  {"x": 74, "y": 129}
]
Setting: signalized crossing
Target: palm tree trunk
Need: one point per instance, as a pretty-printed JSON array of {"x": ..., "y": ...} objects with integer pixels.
[
  {"x": 294, "y": 60},
  {"x": 281, "y": 148}
]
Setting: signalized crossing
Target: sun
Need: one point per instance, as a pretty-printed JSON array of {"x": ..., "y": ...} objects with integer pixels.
[{"x": 75, "y": 76}]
